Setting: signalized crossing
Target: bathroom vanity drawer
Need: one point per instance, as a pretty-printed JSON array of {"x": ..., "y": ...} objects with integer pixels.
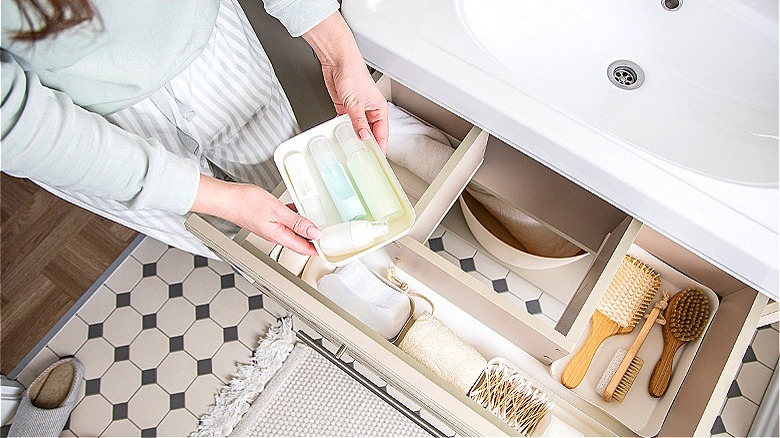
[
  {"x": 390, "y": 363},
  {"x": 553, "y": 200},
  {"x": 492, "y": 331},
  {"x": 495, "y": 324}
]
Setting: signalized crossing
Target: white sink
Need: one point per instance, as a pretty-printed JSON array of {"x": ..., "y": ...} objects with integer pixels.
[
  {"x": 692, "y": 152},
  {"x": 709, "y": 100}
]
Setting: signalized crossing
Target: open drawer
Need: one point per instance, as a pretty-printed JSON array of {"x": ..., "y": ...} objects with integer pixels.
[
  {"x": 689, "y": 410},
  {"x": 495, "y": 324},
  {"x": 389, "y": 362}
]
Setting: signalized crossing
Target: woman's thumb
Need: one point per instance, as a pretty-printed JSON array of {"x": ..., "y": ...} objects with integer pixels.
[
  {"x": 357, "y": 114},
  {"x": 299, "y": 224}
]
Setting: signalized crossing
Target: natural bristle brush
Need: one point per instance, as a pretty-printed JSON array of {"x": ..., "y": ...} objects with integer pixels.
[
  {"x": 618, "y": 312},
  {"x": 686, "y": 318},
  {"x": 625, "y": 365}
]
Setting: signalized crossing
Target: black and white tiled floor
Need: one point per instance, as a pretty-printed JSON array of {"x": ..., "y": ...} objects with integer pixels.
[
  {"x": 157, "y": 340},
  {"x": 489, "y": 272},
  {"x": 160, "y": 338},
  {"x": 749, "y": 388}
]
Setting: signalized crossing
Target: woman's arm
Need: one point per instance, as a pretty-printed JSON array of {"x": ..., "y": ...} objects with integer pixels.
[
  {"x": 253, "y": 208},
  {"x": 45, "y": 136},
  {"x": 351, "y": 87},
  {"x": 48, "y": 138}
]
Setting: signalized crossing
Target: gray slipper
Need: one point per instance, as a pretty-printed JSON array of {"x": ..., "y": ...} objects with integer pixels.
[{"x": 46, "y": 405}]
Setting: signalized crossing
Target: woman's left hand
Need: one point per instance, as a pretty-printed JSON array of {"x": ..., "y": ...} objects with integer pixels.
[{"x": 351, "y": 87}]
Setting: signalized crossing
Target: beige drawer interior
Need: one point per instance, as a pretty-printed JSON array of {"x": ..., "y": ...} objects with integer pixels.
[
  {"x": 495, "y": 324},
  {"x": 698, "y": 402},
  {"x": 565, "y": 208},
  {"x": 393, "y": 365}
]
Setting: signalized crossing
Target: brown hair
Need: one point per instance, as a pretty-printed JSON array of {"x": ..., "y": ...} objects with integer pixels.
[{"x": 52, "y": 17}]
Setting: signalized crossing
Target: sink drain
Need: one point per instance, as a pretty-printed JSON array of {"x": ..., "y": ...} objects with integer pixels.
[
  {"x": 625, "y": 74},
  {"x": 671, "y": 5}
]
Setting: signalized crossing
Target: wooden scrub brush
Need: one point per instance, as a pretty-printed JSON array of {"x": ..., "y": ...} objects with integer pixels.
[
  {"x": 618, "y": 312},
  {"x": 625, "y": 365},
  {"x": 686, "y": 318}
]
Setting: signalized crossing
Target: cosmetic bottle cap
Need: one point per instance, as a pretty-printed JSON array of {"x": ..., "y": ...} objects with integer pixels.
[
  {"x": 321, "y": 149},
  {"x": 347, "y": 138}
]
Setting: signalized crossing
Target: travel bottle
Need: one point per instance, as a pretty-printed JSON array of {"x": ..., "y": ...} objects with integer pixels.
[
  {"x": 369, "y": 177},
  {"x": 350, "y": 237},
  {"x": 336, "y": 180},
  {"x": 305, "y": 189}
]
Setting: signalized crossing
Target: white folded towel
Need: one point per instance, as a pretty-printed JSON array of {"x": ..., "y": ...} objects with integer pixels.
[
  {"x": 424, "y": 150},
  {"x": 415, "y": 145}
]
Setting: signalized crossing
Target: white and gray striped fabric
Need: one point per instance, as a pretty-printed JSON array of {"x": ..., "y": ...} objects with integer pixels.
[{"x": 227, "y": 111}]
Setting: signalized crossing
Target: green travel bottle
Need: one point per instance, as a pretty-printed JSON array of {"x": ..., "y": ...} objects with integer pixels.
[{"x": 369, "y": 177}]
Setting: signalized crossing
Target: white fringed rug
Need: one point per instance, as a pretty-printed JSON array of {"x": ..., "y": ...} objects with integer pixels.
[{"x": 300, "y": 395}]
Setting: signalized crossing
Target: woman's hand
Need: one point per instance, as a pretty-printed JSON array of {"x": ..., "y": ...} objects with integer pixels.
[
  {"x": 253, "y": 208},
  {"x": 351, "y": 87}
]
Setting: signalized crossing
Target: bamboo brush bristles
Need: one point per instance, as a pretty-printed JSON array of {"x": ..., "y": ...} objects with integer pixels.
[
  {"x": 628, "y": 379},
  {"x": 688, "y": 315},
  {"x": 629, "y": 293}
]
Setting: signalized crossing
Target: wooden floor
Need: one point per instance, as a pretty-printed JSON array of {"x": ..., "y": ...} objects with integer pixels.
[{"x": 51, "y": 253}]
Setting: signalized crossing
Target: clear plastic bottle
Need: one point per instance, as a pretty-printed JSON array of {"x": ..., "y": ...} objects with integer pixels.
[
  {"x": 305, "y": 189},
  {"x": 368, "y": 175},
  {"x": 336, "y": 180},
  {"x": 350, "y": 237}
]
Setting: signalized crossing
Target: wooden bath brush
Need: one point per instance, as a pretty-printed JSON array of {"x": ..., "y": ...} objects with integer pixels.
[
  {"x": 625, "y": 364},
  {"x": 618, "y": 312},
  {"x": 686, "y": 318}
]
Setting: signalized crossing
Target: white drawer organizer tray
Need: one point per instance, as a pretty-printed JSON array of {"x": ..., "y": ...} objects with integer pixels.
[
  {"x": 495, "y": 325},
  {"x": 639, "y": 411},
  {"x": 398, "y": 227}
]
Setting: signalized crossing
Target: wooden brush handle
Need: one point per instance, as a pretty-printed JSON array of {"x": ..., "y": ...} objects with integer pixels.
[
  {"x": 601, "y": 328},
  {"x": 640, "y": 339},
  {"x": 662, "y": 373}
]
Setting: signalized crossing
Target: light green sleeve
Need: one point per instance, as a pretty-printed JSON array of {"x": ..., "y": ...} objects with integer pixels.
[
  {"x": 48, "y": 138},
  {"x": 299, "y": 16}
]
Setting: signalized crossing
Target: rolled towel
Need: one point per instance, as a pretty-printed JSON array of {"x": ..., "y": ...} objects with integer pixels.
[
  {"x": 437, "y": 347},
  {"x": 424, "y": 150}
]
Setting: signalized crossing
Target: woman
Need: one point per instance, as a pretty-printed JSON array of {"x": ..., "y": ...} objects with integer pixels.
[{"x": 144, "y": 112}]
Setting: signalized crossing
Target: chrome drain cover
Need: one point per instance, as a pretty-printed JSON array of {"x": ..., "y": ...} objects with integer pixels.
[{"x": 625, "y": 74}]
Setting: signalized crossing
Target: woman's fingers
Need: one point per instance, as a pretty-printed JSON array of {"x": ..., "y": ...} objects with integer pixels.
[{"x": 286, "y": 237}]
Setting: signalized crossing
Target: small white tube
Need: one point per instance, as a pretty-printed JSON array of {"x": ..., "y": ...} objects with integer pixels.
[
  {"x": 350, "y": 237},
  {"x": 305, "y": 189}
]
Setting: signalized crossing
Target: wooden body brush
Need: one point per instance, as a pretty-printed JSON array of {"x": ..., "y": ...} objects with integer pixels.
[
  {"x": 615, "y": 383},
  {"x": 686, "y": 318},
  {"x": 618, "y": 312}
]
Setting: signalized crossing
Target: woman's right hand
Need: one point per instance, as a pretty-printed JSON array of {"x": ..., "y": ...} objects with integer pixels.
[{"x": 253, "y": 208}]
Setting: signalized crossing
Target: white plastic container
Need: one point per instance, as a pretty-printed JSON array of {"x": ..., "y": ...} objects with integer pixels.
[
  {"x": 350, "y": 237},
  {"x": 397, "y": 227}
]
